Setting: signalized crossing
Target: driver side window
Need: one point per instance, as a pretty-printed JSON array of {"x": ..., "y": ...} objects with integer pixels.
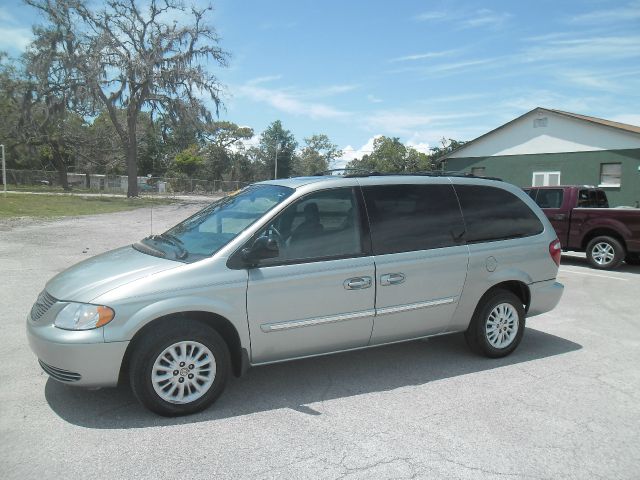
[{"x": 321, "y": 225}]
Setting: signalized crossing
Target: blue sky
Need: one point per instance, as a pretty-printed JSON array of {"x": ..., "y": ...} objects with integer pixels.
[{"x": 411, "y": 69}]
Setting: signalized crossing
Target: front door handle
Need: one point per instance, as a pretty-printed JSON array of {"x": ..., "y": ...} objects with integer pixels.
[
  {"x": 391, "y": 279},
  {"x": 357, "y": 283}
]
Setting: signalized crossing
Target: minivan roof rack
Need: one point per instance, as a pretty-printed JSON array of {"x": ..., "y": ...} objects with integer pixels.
[
  {"x": 360, "y": 172},
  {"x": 348, "y": 172}
]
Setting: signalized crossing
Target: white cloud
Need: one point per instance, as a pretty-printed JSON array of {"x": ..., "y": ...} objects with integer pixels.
[
  {"x": 607, "y": 80},
  {"x": 350, "y": 153},
  {"x": 482, "y": 18},
  {"x": 409, "y": 124},
  {"x": 6, "y": 16},
  {"x": 289, "y": 102},
  {"x": 374, "y": 99},
  {"x": 422, "y": 147},
  {"x": 15, "y": 38},
  {"x": 423, "y": 56},
  {"x": 451, "y": 68},
  {"x": 447, "y": 67},
  {"x": 518, "y": 102},
  {"x": 329, "y": 90},
  {"x": 426, "y": 16},
  {"x": 265, "y": 79},
  {"x": 486, "y": 18},
  {"x": 611, "y": 47},
  {"x": 627, "y": 13}
]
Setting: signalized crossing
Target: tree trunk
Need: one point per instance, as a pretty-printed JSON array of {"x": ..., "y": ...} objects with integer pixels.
[
  {"x": 58, "y": 161},
  {"x": 132, "y": 158}
]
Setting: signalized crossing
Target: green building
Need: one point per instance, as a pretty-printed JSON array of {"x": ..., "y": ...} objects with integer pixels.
[{"x": 552, "y": 147}]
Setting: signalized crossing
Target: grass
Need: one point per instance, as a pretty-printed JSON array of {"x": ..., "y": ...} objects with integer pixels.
[{"x": 43, "y": 206}]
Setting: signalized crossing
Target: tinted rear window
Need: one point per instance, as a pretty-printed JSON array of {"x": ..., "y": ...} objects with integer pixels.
[
  {"x": 406, "y": 218},
  {"x": 494, "y": 214},
  {"x": 592, "y": 199}
]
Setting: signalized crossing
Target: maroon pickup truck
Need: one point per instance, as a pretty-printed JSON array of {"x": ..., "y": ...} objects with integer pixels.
[{"x": 584, "y": 223}]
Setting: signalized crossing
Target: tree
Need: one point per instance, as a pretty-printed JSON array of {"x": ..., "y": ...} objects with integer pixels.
[
  {"x": 223, "y": 147},
  {"x": 12, "y": 91},
  {"x": 129, "y": 57},
  {"x": 389, "y": 155},
  {"x": 189, "y": 160},
  {"x": 276, "y": 139},
  {"x": 35, "y": 111},
  {"x": 448, "y": 146},
  {"x": 316, "y": 156}
]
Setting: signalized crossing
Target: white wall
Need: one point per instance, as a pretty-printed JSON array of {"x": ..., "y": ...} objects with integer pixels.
[{"x": 561, "y": 134}]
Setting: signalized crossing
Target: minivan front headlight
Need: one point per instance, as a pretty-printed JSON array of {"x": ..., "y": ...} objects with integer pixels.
[{"x": 83, "y": 316}]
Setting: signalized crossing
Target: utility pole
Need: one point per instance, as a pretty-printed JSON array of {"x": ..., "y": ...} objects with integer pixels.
[
  {"x": 4, "y": 172},
  {"x": 275, "y": 172}
]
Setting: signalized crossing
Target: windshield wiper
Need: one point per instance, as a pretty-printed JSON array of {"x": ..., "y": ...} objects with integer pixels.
[{"x": 171, "y": 240}]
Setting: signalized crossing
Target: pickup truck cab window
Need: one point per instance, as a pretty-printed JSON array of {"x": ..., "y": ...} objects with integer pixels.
[{"x": 550, "y": 198}]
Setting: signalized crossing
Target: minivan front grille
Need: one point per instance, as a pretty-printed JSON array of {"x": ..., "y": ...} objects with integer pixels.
[
  {"x": 44, "y": 302},
  {"x": 60, "y": 374}
]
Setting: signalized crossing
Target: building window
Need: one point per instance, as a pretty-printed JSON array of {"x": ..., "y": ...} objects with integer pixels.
[
  {"x": 545, "y": 179},
  {"x": 477, "y": 171},
  {"x": 610, "y": 174}
]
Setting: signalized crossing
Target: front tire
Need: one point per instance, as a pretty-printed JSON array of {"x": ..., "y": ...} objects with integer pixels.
[
  {"x": 179, "y": 370},
  {"x": 497, "y": 326},
  {"x": 605, "y": 253}
]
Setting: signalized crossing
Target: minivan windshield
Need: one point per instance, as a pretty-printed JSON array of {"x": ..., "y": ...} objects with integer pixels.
[{"x": 207, "y": 231}]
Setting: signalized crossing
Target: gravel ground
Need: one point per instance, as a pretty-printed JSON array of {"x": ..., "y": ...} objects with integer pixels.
[{"x": 566, "y": 404}]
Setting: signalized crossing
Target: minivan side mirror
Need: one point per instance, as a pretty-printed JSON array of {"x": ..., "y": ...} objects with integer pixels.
[{"x": 264, "y": 247}]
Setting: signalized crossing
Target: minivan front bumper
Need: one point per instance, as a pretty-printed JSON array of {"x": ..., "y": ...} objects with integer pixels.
[
  {"x": 544, "y": 296},
  {"x": 76, "y": 358}
]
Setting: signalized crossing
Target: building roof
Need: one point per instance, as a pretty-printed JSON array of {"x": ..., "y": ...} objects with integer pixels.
[{"x": 599, "y": 121}]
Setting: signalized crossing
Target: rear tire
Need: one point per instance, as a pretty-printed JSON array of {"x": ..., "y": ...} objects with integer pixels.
[
  {"x": 497, "y": 326},
  {"x": 179, "y": 370},
  {"x": 605, "y": 253}
]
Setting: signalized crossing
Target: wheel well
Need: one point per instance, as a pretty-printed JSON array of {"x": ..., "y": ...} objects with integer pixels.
[
  {"x": 519, "y": 289},
  {"x": 211, "y": 320},
  {"x": 600, "y": 232}
]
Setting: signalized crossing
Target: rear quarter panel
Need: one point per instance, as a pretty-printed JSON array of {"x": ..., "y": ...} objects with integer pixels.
[{"x": 526, "y": 260}]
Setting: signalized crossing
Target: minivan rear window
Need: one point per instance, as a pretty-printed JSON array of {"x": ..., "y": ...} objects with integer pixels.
[
  {"x": 492, "y": 213},
  {"x": 407, "y": 218}
]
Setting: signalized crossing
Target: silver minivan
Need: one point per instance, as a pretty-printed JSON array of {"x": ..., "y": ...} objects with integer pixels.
[{"x": 294, "y": 268}]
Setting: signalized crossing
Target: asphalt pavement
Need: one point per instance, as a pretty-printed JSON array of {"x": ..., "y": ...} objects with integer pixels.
[{"x": 566, "y": 404}]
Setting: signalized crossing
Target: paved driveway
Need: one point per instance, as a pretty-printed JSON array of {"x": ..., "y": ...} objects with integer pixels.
[{"x": 566, "y": 404}]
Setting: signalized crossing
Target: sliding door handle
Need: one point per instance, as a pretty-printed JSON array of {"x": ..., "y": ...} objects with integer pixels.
[{"x": 391, "y": 279}]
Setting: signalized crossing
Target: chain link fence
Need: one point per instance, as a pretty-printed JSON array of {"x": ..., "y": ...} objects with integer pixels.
[{"x": 46, "y": 180}]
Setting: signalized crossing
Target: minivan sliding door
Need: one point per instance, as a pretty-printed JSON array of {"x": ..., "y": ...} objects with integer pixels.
[{"x": 417, "y": 235}]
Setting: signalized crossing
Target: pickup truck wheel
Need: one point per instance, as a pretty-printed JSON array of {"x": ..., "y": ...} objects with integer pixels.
[
  {"x": 179, "y": 370},
  {"x": 497, "y": 325},
  {"x": 605, "y": 253},
  {"x": 633, "y": 258}
]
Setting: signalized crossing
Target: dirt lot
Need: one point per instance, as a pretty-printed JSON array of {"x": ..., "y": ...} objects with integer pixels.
[{"x": 566, "y": 404}]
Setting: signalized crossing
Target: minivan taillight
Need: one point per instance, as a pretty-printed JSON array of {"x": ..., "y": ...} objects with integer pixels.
[{"x": 555, "y": 250}]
